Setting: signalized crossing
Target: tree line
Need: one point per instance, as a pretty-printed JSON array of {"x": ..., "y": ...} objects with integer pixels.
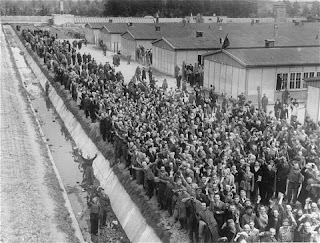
[
  {"x": 161, "y": 8},
  {"x": 180, "y": 8}
]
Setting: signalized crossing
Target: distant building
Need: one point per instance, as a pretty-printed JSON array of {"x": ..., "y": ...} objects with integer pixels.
[
  {"x": 144, "y": 34},
  {"x": 233, "y": 71},
  {"x": 92, "y": 32},
  {"x": 110, "y": 34},
  {"x": 172, "y": 50}
]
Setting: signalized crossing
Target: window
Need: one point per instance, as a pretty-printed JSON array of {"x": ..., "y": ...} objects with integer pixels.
[
  {"x": 282, "y": 81},
  {"x": 298, "y": 81},
  {"x": 307, "y": 75},
  {"x": 292, "y": 80},
  {"x": 295, "y": 80},
  {"x": 318, "y": 74}
]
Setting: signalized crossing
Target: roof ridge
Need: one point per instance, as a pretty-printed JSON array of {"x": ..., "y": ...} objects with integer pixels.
[{"x": 234, "y": 57}]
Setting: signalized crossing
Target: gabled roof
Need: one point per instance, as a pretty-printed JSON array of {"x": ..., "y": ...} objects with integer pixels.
[
  {"x": 272, "y": 57},
  {"x": 115, "y": 28},
  {"x": 191, "y": 43},
  {"x": 95, "y": 25},
  {"x": 127, "y": 35}
]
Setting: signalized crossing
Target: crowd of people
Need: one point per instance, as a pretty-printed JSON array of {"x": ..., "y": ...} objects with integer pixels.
[
  {"x": 226, "y": 171},
  {"x": 193, "y": 74}
]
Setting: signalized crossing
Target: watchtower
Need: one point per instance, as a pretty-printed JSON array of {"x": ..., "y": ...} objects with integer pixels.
[{"x": 280, "y": 12}]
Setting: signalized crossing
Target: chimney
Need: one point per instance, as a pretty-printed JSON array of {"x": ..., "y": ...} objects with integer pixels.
[
  {"x": 269, "y": 43},
  {"x": 275, "y": 30},
  {"x": 61, "y": 7},
  {"x": 199, "y": 33},
  {"x": 157, "y": 18}
]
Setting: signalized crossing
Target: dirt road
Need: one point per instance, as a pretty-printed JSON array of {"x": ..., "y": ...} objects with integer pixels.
[{"x": 32, "y": 205}]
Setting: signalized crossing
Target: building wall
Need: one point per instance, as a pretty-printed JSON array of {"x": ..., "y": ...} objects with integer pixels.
[
  {"x": 26, "y": 19},
  {"x": 163, "y": 60},
  {"x": 225, "y": 78},
  {"x": 313, "y": 103},
  {"x": 233, "y": 80},
  {"x": 128, "y": 47},
  {"x": 96, "y": 36},
  {"x": 189, "y": 56},
  {"x": 59, "y": 19},
  {"x": 106, "y": 38},
  {"x": 266, "y": 79},
  {"x": 115, "y": 43},
  {"x": 89, "y": 35},
  {"x": 248, "y": 20}
]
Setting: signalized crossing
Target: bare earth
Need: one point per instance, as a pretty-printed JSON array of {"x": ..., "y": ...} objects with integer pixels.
[{"x": 32, "y": 206}]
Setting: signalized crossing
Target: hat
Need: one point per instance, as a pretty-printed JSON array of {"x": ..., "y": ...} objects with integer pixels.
[
  {"x": 248, "y": 207},
  {"x": 230, "y": 221}
]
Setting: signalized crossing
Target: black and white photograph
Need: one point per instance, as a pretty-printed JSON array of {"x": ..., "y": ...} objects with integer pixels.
[{"x": 159, "y": 121}]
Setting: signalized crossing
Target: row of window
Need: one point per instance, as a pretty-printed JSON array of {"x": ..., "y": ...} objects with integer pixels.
[{"x": 295, "y": 80}]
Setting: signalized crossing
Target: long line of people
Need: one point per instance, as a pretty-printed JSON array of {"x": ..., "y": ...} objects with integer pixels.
[{"x": 226, "y": 171}]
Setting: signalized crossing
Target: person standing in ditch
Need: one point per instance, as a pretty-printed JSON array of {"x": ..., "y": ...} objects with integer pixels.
[
  {"x": 104, "y": 202},
  {"x": 88, "y": 175},
  {"x": 94, "y": 207}
]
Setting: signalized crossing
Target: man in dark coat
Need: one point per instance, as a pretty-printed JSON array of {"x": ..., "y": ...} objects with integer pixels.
[
  {"x": 84, "y": 58},
  {"x": 79, "y": 57},
  {"x": 94, "y": 207},
  {"x": 104, "y": 203},
  {"x": 281, "y": 176},
  {"x": 277, "y": 108},
  {"x": 92, "y": 109},
  {"x": 267, "y": 184},
  {"x": 206, "y": 218},
  {"x": 150, "y": 74},
  {"x": 88, "y": 176},
  {"x": 103, "y": 126}
]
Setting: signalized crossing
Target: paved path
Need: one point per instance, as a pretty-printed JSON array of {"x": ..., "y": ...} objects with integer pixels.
[
  {"x": 32, "y": 206},
  {"x": 128, "y": 70}
]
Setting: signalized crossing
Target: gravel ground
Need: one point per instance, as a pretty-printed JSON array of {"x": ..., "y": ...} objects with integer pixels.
[{"x": 32, "y": 204}]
